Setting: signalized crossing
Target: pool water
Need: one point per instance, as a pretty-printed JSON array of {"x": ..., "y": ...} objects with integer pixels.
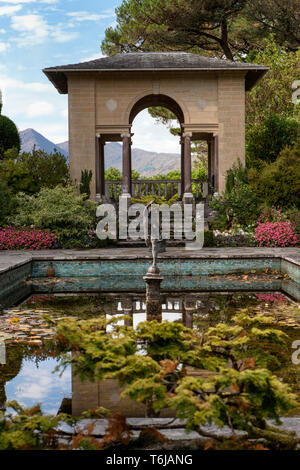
[{"x": 28, "y": 357}]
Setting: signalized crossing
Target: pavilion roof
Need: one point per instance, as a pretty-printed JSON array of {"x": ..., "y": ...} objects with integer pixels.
[{"x": 153, "y": 61}]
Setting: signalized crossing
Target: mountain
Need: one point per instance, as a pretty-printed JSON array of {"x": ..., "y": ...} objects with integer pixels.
[
  {"x": 64, "y": 146},
  {"x": 143, "y": 161},
  {"x": 31, "y": 138}
]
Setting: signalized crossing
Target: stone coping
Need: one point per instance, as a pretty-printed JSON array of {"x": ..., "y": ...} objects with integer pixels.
[
  {"x": 13, "y": 259},
  {"x": 100, "y": 425}
]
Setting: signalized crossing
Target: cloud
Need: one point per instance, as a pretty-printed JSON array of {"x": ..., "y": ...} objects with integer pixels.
[
  {"x": 36, "y": 105},
  {"x": 4, "y": 46},
  {"x": 40, "y": 108},
  {"x": 7, "y": 10},
  {"x": 12, "y": 83},
  {"x": 34, "y": 29},
  {"x": 27, "y": 1},
  {"x": 62, "y": 36},
  {"x": 86, "y": 16},
  {"x": 148, "y": 135}
]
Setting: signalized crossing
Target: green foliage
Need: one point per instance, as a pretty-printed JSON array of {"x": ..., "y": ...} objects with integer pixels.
[
  {"x": 278, "y": 184},
  {"x": 237, "y": 390},
  {"x": 60, "y": 209},
  {"x": 145, "y": 200},
  {"x": 239, "y": 207},
  {"x": 27, "y": 429},
  {"x": 228, "y": 28},
  {"x": 113, "y": 174},
  {"x": 293, "y": 215},
  {"x": 278, "y": 18},
  {"x": 273, "y": 94},
  {"x": 6, "y": 202},
  {"x": 9, "y": 135},
  {"x": 29, "y": 172},
  {"x": 236, "y": 176},
  {"x": 268, "y": 138},
  {"x": 209, "y": 238},
  {"x": 85, "y": 181}
]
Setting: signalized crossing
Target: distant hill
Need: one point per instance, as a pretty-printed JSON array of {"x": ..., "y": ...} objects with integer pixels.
[
  {"x": 143, "y": 161},
  {"x": 31, "y": 138},
  {"x": 64, "y": 146}
]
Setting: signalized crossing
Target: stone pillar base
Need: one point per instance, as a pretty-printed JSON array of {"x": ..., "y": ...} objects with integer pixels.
[
  {"x": 188, "y": 198},
  {"x": 125, "y": 197}
]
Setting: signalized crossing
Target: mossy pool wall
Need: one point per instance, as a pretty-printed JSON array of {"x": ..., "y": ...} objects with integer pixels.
[{"x": 124, "y": 273}]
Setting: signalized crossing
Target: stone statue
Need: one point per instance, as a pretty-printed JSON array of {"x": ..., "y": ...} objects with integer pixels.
[{"x": 158, "y": 244}]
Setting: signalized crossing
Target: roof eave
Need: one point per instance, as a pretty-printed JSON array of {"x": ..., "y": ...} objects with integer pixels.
[
  {"x": 59, "y": 79},
  {"x": 254, "y": 76}
]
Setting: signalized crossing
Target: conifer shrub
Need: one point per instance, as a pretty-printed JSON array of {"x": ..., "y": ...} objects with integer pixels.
[{"x": 9, "y": 135}]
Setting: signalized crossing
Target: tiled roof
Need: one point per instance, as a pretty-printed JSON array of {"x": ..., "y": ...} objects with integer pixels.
[{"x": 152, "y": 61}]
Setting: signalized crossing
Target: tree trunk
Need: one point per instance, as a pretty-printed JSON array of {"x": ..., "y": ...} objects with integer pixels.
[{"x": 224, "y": 41}]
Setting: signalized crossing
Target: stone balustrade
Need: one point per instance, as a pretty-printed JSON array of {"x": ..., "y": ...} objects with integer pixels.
[{"x": 164, "y": 188}]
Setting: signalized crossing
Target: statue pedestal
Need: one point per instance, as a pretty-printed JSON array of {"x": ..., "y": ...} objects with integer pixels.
[{"x": 153, "y": 300}]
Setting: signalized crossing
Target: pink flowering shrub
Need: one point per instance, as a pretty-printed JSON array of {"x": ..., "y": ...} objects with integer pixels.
[
  {"x": 12, "y": 238},
  {"x": 275, "y": 234}
]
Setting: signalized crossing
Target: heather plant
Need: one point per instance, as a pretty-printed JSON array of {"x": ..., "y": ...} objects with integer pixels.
[
  {"x": 61, "y": 210},
  {"x": 237, "y": 389},
  {"x": 12, "y": 238},
  {"x": 275, "y": 234}
]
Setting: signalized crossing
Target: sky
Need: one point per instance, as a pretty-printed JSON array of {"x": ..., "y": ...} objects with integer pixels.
[{"x": 35, "y": 34}]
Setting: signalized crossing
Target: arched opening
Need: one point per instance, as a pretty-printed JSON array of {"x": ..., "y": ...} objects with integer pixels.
[
  {"x": 156, "y": 151},
  {"x": 171, "y": 182},
  {"x": 163, "y": 101},
  {"x": 168, "y": 178}
]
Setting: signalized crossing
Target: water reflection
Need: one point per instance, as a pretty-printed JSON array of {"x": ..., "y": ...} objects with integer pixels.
[{"x": 27, "y": 377}]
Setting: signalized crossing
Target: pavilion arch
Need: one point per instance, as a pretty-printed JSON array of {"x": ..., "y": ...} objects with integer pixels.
[{"x": 152, "y": 100}]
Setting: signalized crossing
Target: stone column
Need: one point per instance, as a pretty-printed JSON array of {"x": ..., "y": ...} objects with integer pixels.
[
  {"x": 187, "y": 196},
  {"x": 209, "y": 168},
  {"x": 188, "y": 311},
  {"x": 126, "y": 166},
  {"x": 182, "y": 167},
  {"x": 130, "y": 166},
  {"x": 216, "y": 163},
  {"x": 100, "y": 168},
  {"x": 128, "y": 310},
  {"x": 153, "y": 300}
]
